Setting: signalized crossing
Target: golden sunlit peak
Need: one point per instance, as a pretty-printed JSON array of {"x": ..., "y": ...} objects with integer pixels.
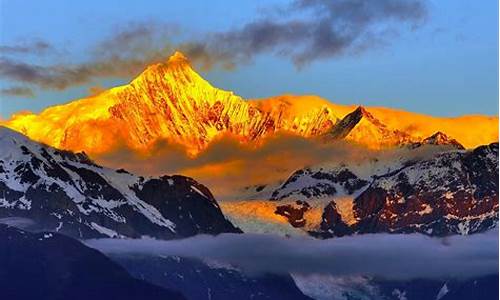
[{"x": 178, "y": 57}]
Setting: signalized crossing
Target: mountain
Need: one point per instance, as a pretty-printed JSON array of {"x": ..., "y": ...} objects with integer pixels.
[
  {"x": 453, "y": 193},
  {"x": 325, "y": 287},
  {"x": 361, "y": 125},
  {"x": 52, "y": 266},
  {"x": 197, "y": 279},
  {"x": 167, "y": 101},
  {"x": 65, "y": 192},
  {"x": 429, "y": 189},
  {"x": 170, "y": 101},
  {"x": 438, "y": 139}
]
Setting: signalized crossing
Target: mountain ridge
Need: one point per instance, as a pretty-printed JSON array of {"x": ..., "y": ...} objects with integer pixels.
[
  {"x": 68, "y": 193},
  {"x": 170, "y": 101}
]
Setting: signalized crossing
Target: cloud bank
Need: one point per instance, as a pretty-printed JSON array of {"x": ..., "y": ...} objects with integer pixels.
[
  {"x": 227, "y": 166},
  {"x": 18, "y": 222},
  {"x": 387, "y": 256}
]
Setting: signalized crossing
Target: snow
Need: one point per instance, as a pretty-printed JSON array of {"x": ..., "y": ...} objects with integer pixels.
[
  {"x": 327, "y": 287},
  {"x": 254, "y": 216},
  {"x": 106, "y": 231},
  {"x": 12, "y": 156},
  {"x": 464, "y": 227},
  {"x": 442, "y": 292},
  {"x": 59, "y": 226},
  {"x": 448, "y": 195},
  {"x": 198, "y": 191},
  {"x": 400, "y": 295},
  {"x": 427, "y": 209}
]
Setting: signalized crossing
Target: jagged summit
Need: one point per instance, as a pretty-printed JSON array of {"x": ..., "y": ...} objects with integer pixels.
[
  {"x": 362, "y": 127},
  {"x": 439, "y": 139},
  {"x": 178, "y": 57},
  {"x": 362, "y": 111}
]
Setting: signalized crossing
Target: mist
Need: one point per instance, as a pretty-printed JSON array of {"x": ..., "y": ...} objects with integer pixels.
[
  {"x": 227, "y": 166},
  {"x": 389, "y": 256}
]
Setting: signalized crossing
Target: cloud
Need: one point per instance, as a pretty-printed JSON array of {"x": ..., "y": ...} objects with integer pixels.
[
  {"x": 18, "y": 222},
  {"x": 388, "y": 256},
  {"x": 125, "y": 53},
  {"x": 316, "y": 30},
  {"x": 37, "y": 47},
  {"x": 226, "y": 166},
  {"x": 18, "y": 91},
  {"x": 60, "y": 77},
  {"x": 302, "y": 31}
]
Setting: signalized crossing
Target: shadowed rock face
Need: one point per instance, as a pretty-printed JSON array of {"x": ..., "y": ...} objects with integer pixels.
[
  {"x": 68, "y": 193},
  {"x": 332, "y": 221},
  {"x": 52, "y": 266},
  {"x": 294, "y": 212}
]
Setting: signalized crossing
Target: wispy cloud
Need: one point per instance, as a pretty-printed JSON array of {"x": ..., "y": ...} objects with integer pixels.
[
  {"x": 17, "y": 222},
  {"x": 60, "y": 77},
  {"x": 380, "y": 255},
  {"x": 302, "y": 31},
  {"x": 18, "y": 91},
  {"x": 319, "y": 29},
  {"x": 36, "y": 46}
]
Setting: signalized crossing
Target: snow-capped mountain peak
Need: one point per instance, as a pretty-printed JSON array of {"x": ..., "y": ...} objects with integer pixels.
[{"x": 66, "y": 192}]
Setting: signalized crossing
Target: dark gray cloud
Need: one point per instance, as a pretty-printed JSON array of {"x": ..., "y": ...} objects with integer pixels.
[
  {"x": 382, "y": 255},
  {"x": 18, "y": 91},
  {"x": 30, "y": 47},
  {"x": 319, "y": 29},
  {"x": 60, "y": 77},
  {"x": 303, "y": 31},
  {"x": 125, "y": 53}
]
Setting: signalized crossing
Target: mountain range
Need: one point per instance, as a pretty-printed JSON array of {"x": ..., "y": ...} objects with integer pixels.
[
  {"x": 428, "y": 175},
  {"x": 170, "y": 101},
  {"x": 435, "y": 188}
]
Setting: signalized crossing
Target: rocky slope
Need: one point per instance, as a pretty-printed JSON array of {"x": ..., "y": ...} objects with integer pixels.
[
  {"x": 65, "y": 192},
  {"x": 52, "y": 266},
  {"x": 444, "y": 192},
  {"x": 170, "y": 101},
  {"x": 197, "y": 279}
]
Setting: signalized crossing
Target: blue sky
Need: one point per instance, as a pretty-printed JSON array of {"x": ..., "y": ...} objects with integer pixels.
[{"x": 446, "y": 66}]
